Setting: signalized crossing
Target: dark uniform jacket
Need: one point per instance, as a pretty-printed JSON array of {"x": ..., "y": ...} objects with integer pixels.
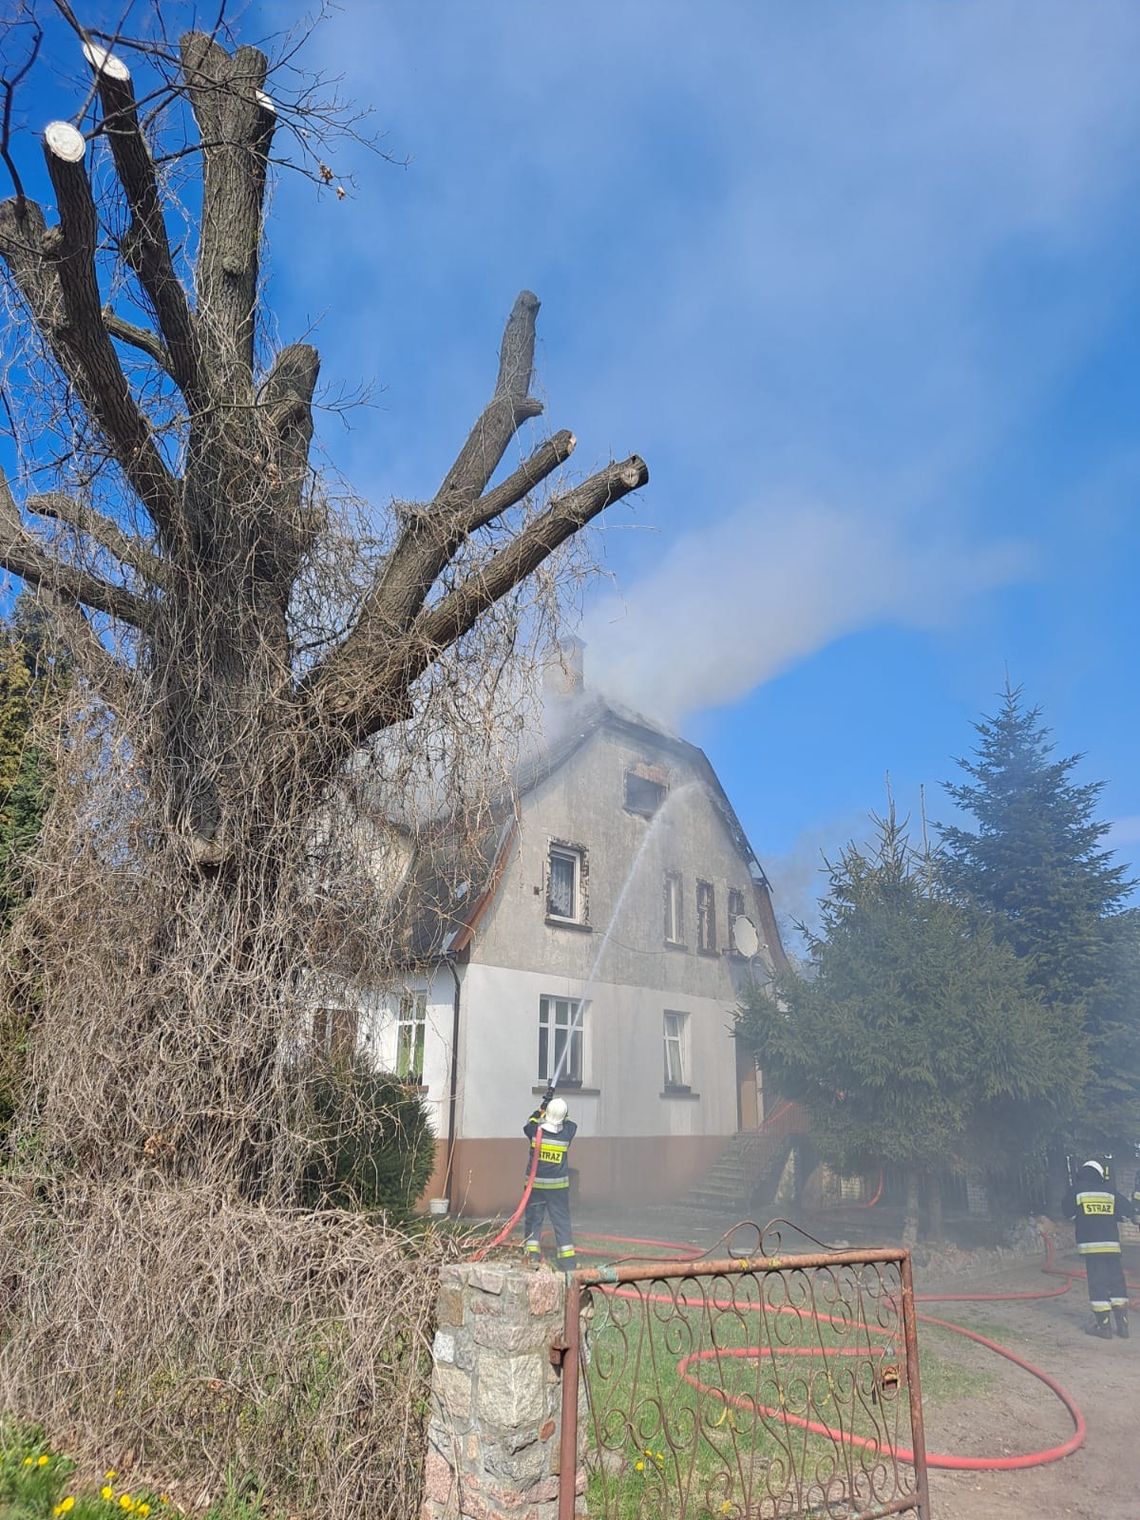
[
  {"x": 553, "y": 1157},
  {"x": 1098, "y": 1210}
]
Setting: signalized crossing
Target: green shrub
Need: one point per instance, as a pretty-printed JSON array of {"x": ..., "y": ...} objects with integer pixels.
[{"x": 374, "y": 1145}]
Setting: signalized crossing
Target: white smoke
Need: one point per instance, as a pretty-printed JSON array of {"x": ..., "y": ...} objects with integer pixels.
[{"x": 731, "y": 606}]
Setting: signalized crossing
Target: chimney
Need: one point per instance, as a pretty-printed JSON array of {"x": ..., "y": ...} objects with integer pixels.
[{"x": 563, "y": 677}]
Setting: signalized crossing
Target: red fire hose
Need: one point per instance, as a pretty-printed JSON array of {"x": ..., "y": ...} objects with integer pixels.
[
  {"x": 517, "y": 1215},
  {"x": 942, "y": 1460}
]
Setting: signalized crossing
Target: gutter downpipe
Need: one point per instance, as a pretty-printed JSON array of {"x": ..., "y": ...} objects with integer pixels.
[{"x": 453, "y": 1079}]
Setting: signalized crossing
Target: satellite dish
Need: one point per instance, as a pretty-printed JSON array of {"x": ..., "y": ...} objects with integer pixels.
[{"x": 744, "y": 936}]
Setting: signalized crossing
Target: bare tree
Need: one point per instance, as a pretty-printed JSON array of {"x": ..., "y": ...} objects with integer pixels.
[{"x": 182, "y": 539}]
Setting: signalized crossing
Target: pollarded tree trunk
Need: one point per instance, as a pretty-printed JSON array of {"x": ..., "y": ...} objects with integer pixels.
[{"x": 230, "y": 735}]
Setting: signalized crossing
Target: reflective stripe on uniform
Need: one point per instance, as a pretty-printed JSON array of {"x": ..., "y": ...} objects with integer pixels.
[
  {"x": 546, "y": 1183},
  {"x": 1099, "y": 1305},
  {"x": 565, "y": 1250},
  {"x": 1098, "y": 1248}
]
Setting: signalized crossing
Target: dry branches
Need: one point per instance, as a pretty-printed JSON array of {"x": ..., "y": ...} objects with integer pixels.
[{"x": 190, "y": 1342}]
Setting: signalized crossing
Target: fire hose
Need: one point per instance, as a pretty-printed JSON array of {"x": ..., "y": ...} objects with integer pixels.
[
  {"x": 948, "y": 1461},
  {"x": 945, "y": 1460}
]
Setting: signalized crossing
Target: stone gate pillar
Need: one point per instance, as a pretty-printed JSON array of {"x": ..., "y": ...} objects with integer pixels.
[{"x": 496, "y": 1399}]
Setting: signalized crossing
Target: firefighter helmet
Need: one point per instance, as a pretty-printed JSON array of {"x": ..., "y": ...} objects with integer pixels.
[
  {"x": 1097, "y": 1166},
  {"x": 555, "y": 1113}
]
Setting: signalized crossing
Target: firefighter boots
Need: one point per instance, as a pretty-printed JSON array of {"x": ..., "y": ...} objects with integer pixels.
[
  {"x": 1102, "y": 1328},
  {"x": 1121, "y": 1318}
]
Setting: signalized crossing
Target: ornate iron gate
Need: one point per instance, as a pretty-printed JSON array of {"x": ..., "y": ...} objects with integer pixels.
[{"x": 757, "y": 1387}]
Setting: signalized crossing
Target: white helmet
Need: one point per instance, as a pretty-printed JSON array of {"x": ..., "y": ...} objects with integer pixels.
[
  {"x": 555, "y": 1113},
  {"x": 1096, "y": 1165}
]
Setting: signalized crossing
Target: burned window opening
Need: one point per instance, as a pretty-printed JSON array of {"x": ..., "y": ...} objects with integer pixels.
[{"x": 644, "y": 792}]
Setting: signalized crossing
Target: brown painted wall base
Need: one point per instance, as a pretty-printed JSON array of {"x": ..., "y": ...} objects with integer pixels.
[{"x": 488, "y": 1175}]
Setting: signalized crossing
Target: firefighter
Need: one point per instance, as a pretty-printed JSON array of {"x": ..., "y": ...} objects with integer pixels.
[
  {"x": 1098, "y": 1210},
  {"x": 551, "y": 1191}
]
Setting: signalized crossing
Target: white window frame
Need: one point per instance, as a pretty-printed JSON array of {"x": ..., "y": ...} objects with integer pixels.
[
  {"x": 674, "y": 908},
  {"x": 411, "y": 1025},
  {"x": 675, "y": 1039},
  {"x": 574, "y": 854},
  {"x": 549, "y": 1049}
]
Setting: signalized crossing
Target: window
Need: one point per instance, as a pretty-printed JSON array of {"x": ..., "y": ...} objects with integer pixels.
[
  {"x": 674, "y": 910},
  {"x": 643, "y": 794},
  {"x": 706, "y": 916},
  {"x": 735, "y": 911},
  {"x": 676, "y": 1065},
  {"x": 411, "y": 1031},
  {"x": 566, "y": 884},
  {"x": 560, "y": 1041},
  {"x": 335, "y": 1032}
]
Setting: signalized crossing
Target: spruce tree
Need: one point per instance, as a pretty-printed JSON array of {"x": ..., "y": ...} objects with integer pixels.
[
  {"x": 914, "y": 1039},
  {"x": 1036, "y": 860}
]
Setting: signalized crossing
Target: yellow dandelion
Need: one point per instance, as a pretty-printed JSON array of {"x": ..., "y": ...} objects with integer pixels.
[
  {"x": 106, "y": 1492},
  {"x": 111, "y": 1476},
  {"x": 164, "y": 1498},
  {"x": 29, "y": 1461},
  {"x": 64, "y": 1505},
  {"x": 126, "y": 1502},
  {"x": 144, "y": 1510},
  {"x": 43, "y": 1459},
  {"x": 639, "y": 1467}
]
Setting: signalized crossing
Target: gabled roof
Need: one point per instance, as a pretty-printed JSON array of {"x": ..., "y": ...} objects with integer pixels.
[{"x": 450, "y": 884}]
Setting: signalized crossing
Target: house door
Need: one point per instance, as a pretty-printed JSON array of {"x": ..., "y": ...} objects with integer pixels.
[{"x": 747, "y": 1090}]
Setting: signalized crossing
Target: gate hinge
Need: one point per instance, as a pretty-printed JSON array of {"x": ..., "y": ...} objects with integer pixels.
[{"x": 558, "y": 1350}]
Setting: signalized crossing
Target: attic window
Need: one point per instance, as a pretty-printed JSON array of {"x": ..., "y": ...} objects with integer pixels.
[{"x": 644, "y": 792}]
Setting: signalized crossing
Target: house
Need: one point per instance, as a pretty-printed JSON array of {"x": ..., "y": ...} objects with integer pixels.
[{"x": 599, "y": 932}]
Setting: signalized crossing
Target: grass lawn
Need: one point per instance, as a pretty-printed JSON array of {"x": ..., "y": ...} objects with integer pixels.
[{"x": 767, "y": 1367}]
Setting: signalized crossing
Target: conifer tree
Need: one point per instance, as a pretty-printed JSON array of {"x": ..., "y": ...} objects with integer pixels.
[
  {"x": 914, "y": 1040},
  {"x": 31, "y": 669},
  {"x": 1036, "y": 860}
]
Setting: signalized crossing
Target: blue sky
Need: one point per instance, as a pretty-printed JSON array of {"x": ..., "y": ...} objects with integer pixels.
[{"x": 859, "y": 280}]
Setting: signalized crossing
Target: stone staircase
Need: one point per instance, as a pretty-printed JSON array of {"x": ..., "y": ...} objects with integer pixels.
[{"x": 749, "y": 1168}]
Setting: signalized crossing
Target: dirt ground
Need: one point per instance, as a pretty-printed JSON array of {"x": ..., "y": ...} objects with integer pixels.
[{"x": 1100, "y": 1481}]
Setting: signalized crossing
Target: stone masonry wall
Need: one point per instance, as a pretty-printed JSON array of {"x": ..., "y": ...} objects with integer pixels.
[{"x": 496, "y": 1399}]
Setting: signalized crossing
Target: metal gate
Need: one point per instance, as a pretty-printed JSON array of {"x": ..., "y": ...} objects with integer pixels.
[{"x": 756, "y": 1387}]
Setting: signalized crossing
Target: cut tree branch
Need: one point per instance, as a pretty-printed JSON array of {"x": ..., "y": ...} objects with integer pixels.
[
  {"x": 430, "y": 537},
  {"x": 22, "y": 554},
  {"x": 110, "y": 677},
  {"x": 363, "y": 686},
  {"x": 235, "y": 122},
  {"x": 104, "y": 530},
  {"x": 285, "y": 403},
  {"x": 141, "y": 338},
  {"x": 509, "y": 407},
  {"x": 81, "y": 334},
  {"x": 440, "y": 626},
  {"x": 549, "y": 455},
  {"x": 146, "y": 246}
]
